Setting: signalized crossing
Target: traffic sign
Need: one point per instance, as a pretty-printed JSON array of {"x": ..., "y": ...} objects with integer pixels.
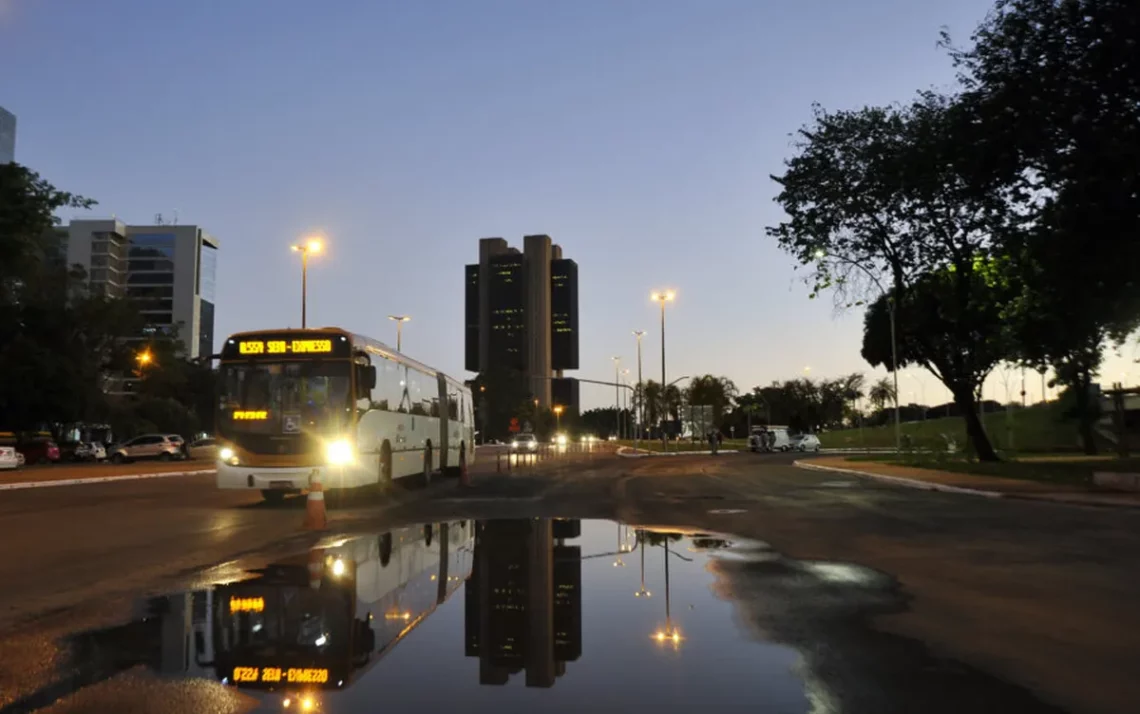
[{"x": 514, "y": 424}]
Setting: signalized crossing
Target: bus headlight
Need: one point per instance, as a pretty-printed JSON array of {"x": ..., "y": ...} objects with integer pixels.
[
  {"x": 226, "y": 454},
  {"x": 339, "y": 452},
  {"x": 561, "y": 440}
]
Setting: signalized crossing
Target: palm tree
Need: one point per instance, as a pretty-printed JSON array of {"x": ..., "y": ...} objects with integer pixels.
[
  {"x": 882, "y": 393},
  {"x": 649, "y": 395}
]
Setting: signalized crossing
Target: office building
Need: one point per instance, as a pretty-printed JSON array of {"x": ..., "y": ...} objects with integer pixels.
[
  {"x": 7, "y": 136},
  {"x": 522, "y": 313},
  {"x": 169, "y": 271}
]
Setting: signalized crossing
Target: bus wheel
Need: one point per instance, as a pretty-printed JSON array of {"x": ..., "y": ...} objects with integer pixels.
[
  {"x": 427, "y": 465},
  {"x": 385, "y": 549}
]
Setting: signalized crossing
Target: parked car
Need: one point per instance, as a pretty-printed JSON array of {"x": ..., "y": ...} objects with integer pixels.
[
  {"x": 204, "y": 449},
  {"x": 39, "y": 451},
  {"x": 771, "y": 438},
  {"x": 9, "y": 459},
  {"x": 806, "y": 442},
  {"x": 524, "y": 442},
  {"x": 164, "y": 447},
  {"x": 89, "y": 451}
]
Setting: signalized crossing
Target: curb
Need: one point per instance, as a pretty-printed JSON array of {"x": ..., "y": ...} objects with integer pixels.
[
  {"x": 907, "y": 482},
  {"x": 628, "y": 452},
  {"x": 928, "y": 486},
  {"x": 100, "y": 479}
]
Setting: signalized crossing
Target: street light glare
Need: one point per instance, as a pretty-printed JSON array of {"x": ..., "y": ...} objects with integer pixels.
[
  {"x": 314, "y": 245},
  {"x": 664, "y": 296},
  {"x": 399, "y": 318}
]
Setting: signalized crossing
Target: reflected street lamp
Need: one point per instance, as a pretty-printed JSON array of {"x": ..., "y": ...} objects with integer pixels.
[
  {"x": 399, "y": 320},
  {"x": 312, "y": 246},
  {"x": 663, "y": 297},
  {"x": 641, "y": 546}
]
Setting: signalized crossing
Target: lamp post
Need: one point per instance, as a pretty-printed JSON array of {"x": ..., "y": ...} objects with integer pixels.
[
  {"x": 641, "y": 546},
  {"x": 617, "y": 394},
  {"x": 663, "y": 297},
  {"x": 312, "y": 246},
  {"x": 399, "y": 320},
  {"x": 558, "y": 416}
]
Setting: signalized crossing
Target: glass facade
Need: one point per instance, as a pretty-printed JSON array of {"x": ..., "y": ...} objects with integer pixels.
[
  {"x": 508, "y": 298},
  {"x": 150, "y": 264},
  {"x": 471, "y": 338},
  {"x": 563, "y": 314}
]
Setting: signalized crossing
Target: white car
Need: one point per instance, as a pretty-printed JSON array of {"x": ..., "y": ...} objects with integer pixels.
[
  {"x": 807, "y": 442},
  {"x": 9, "y": 459},
  {"x": 524, "y": 442}
]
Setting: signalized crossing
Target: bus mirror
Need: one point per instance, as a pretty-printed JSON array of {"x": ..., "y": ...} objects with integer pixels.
[{"x": 370, "y": 377}]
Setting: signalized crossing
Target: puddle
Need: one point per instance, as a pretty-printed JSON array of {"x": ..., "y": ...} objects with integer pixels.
[{"x": 512, "y": 615}]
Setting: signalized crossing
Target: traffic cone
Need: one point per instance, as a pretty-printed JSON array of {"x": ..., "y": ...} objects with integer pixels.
[
  {"x": 315, "y": 517},
  {"x": 316, "y": 567}
]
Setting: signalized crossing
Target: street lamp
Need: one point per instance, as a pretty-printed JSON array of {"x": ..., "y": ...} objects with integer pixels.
[
  {"x": 820, "y": 255},
  {"x": 558, "y": 416},
  {"x": 399, "y": 320},
  {"x": 640, "y": 386},
  {"x": 144, "y": 358},
  {"x": 641, "y": 546},
  {"x": 663, "y": 297},
  {"x": 312, "y": 246},
  {"x": 617, "y": 393},
  {"x": 670, "y": 633}
]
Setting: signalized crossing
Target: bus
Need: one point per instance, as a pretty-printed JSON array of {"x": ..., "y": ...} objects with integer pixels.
[{"x": 294, "y": 404}]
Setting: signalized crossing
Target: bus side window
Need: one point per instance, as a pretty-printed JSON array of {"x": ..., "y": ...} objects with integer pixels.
[
  {"x": 386, "y": 394},
  {"x": 452, "y": 406}
]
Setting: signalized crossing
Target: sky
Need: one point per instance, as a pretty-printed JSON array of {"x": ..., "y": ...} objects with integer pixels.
[{"x": 640, "y": 134}]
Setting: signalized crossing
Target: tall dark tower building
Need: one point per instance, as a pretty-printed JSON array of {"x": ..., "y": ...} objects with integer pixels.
[{"x": 522, "y": 313}]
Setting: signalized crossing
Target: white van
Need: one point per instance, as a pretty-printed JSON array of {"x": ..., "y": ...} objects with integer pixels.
[{"x": 769, "y": 438}]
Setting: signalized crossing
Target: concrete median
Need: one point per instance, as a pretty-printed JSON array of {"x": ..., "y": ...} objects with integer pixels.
[{"x": 84, "y": 474}]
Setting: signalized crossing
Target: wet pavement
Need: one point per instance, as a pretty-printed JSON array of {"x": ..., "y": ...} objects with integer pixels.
[{"x": 522, "y": 614}]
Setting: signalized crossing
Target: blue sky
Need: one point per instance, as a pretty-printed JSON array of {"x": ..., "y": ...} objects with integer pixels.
[{"x": 639, "y": 134}]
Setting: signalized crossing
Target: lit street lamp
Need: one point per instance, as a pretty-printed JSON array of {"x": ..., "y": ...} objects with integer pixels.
[
  {"x": 312, "y": 246},
  {"x": 399, "y": 320},
  {"x": 558, "y": 416},
  {"x": 663, "y": 297}
]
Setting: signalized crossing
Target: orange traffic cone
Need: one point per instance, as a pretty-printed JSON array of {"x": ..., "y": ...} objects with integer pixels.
[
  {"x": 315, "y": 517},
  {"x": 316, "y": 567}
]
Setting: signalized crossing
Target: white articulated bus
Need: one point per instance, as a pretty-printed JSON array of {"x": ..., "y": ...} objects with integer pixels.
[{"x": 297, "y": 403}]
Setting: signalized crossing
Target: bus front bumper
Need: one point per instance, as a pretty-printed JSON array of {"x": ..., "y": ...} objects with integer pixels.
[{"x": 292, "y": 478}]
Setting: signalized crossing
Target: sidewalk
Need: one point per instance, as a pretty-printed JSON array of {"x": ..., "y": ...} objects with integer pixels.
[
  {"x": 972, "y": 484},
  {"x": 80, "y": 474}
]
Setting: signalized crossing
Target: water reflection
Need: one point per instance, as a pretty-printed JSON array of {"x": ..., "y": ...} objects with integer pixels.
[{"x": 524, "y": 600}]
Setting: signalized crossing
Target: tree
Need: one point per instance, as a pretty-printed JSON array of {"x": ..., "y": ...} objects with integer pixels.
[
  {"x": 648, "y": 394},
  {"x": 716, "y": 392},
  {"x": 882, "y": 393},
  {"x": 501, "y": 394},
  {"x": 958, "y": 341},
  {"x": 1053, "y": 82}
]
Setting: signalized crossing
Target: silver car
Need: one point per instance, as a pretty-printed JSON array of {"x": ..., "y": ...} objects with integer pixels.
[{"x": 164, "y": 447}]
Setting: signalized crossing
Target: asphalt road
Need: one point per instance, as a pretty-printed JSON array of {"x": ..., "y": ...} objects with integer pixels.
[{"x": 1027, "y": 605}]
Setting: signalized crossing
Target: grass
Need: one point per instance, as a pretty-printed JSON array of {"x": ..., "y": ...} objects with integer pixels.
[
  {"x": 1076, "y": 471},
  {"x": 1036, "y": 429}
]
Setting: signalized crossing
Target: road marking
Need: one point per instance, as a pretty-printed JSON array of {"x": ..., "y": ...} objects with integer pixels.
[
  {"x": 99, "y": 479},
  {"x": 486, "y": 499},
  {"x": 837, "y": 484},
  {"x": 727, "y": 511}
]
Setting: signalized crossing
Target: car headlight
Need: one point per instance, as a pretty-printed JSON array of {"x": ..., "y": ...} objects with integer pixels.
[
  {"x": 339, "y": 452},
  {"x": 514, "y": 444},
  {"x": 561, "y": 440},
  {"x": 532, "y": 445},
  {"x": 226, "y": 453}
]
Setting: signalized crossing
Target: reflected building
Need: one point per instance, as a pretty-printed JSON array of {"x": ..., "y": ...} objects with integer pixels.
[{"x": 523, "y": 602}]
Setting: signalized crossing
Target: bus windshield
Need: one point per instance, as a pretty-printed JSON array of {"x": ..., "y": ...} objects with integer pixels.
[{"x": 286, "y": 397}]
